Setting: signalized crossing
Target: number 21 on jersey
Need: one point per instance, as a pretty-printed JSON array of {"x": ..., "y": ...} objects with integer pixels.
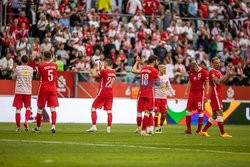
[{"x": 110, "y": 82}]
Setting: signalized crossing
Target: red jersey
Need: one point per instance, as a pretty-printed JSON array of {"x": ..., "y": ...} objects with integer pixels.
[
  {"x": 216, "y": 88},
  {"x": 48, "y": 72},
  {"x": 149, "y": 7},
  {"x": 148, "y": 76},
  {"x": 106, "y": 86},
  {"x": 197, "y": 80}
]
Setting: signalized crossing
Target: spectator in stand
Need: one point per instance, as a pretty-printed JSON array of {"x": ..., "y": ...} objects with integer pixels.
[
  {"x": 151, "y": 6},
  {"x": 104, "y": 4},
  {"x": 7, "y": 64},
  {"x": 64, "y": 21},
  {"x": 213, "y": 9},
  {"x": 183, "y": 7},
  {"x": 247, "y": 74},
  {"x": 179, "y": 71},
  {"x": 203, "y": 9},
  {"x": 32, "y": 16},
  {"x": 193, "y": 8},
  {"x": 63, "y": 54},
  {"x": 244, "y": 45},
  {"x": 60, "y": 63},
  {"x": 22, "y": 47},
  {"x": 166, "y": 18},
  {"x": 133, "y": 6},
  {"x": 23, "y": 19},
  {"x": 160, "y": 51},
  {"x": 41, "y": 26},
  {"x": 45, "y": 46},
  {"x": 104, "y": 19}
]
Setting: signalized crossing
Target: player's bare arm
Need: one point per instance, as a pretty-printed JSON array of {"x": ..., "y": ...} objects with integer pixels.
[
  {"x": 187, "y": 89},
  {"x": 206, "y": 90}
]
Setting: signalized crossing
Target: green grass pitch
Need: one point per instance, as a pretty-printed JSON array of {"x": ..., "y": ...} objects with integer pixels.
[{"x": 72, "y": 146}]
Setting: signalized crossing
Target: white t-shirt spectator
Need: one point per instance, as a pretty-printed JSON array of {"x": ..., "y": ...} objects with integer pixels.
[
  {"x": 244, "y": 43},
  {"x": 133, "y": 5},
  {"x": 45, "y": 47}
]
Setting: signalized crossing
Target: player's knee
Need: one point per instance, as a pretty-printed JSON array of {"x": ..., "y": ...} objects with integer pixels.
[
  {"x": 219, "y": 113},
  {"x": 40, "y": 110},
  {"x": 139, "y": 114},
  {"x": 188, "y": 113},
  {"x": 18, "y": 110}
]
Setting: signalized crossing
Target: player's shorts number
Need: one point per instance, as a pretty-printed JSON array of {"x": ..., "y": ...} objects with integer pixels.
[
  {"x": 144, "y": 79},
  {"x": 110, "y": 82},
  {"x": 50, "y": 75}
]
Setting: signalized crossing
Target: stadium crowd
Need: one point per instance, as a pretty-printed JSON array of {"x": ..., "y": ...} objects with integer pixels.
[{"x": 81, "y": 33}]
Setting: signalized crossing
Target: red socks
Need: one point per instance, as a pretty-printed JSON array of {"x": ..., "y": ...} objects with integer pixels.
[
  {"x": 145, "y": 121},
  {"x": 27, "y": 115},
  {"x": 200, "y": 122},
  {"x": 53, "y": 117},
  {"x": 38, "y": 119},
  {"x": 156, "y": 121},
  {"x": 188, "y": 122},
  {"x": 221, "y": 127},
  {"x": 162, "y": 120},
  {"x": 94, "y": 117},
  {"x": 151, "y": 120},
  {"x": 209, "y": 123},
  {"x": 139, "y": 120},
  {"x": 18, "y": 119},
  {"x": 110, "y": 117}
]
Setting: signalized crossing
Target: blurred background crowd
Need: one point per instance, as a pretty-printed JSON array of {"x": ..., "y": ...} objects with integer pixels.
[{"x": 82, "y": 33}]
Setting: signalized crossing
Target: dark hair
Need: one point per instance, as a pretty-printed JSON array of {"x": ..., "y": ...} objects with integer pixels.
[
  {"x": 109, "y": 62},
  {"x": 152, "y": 58},
  {"x": 47, "y": 55},
  {"x": 25, "y": 59}
]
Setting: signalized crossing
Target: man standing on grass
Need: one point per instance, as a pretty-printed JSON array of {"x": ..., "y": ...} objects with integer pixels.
[
  {"x": 148, "y": 78},
  {"x": 161, "y": 98},
  {"x": 216, "y": 81},
  {"x": 23, "y": 91},
  {"x": 199, "y": 89},
  {"x": 47, "y": 91},
  {"x": 104, "y": 98}
]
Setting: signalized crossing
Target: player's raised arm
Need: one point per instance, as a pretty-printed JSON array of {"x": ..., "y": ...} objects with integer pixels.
[{"x": 224, "y": 79}]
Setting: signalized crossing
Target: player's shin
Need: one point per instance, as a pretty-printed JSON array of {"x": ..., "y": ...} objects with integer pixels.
[
  {"x": 162, "y": 119},
  {"x": 18, "y": 117},
  {"x": 27, "y": 115},
  {"x": 110, "y": 117},
  {"x": 220, "y": 124},
  {"x": 145, "y": 121},
  {"x": 151, "y": 121},
  {"x": 53, "y": 116},
  {"x": 39, "y": 117},
  {"x": 93, "y": 116},
  {"x": 200, "y": 122},
  {"x": 156, "y": 120},
  {"x": 188, "y": 121},
  {"x": 139, "y": 119},
  {"x": 209, "y": 123}
]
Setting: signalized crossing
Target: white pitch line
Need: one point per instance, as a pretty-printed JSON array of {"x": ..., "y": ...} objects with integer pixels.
[{"x": 123, "y": 145}]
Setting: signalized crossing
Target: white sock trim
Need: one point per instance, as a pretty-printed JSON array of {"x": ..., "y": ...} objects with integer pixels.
[
  {"x": 211, "y": 120},
  {"x": 52, "y": 109},
  {"x": 109, "y": 112},
  {"x": 219, "y": 119},
  {"x": 188, "y": 113},
  {"x": 40, "y": 110},
  {"x": 201, "y": 115},
  {"x": 18, "y": 111},
  {"x": 93, "y": 109},
  {"x": 139, "y": 114}
]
